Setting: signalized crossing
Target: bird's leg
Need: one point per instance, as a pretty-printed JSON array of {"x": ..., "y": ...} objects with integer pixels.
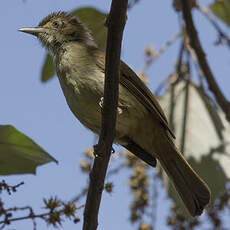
[
  {"x": 119, "y": 110},
  {"x": 101, "y": 103},
  {"x": 96, "y": 151}
]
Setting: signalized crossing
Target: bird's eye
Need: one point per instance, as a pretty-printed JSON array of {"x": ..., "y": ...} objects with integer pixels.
[{"x": 55, "y": 24}]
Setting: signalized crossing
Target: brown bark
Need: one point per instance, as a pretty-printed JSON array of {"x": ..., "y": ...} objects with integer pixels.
[{"x": 115, "y": 23}]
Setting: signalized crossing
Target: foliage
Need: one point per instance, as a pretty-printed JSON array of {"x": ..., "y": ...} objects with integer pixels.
[
  {"x": 19, "y": 148},
  {"x": 222, "y": 10},
  {"x": 18, "y": 153},
  {"x": 57, "y": 210},
  {"x": 86, "y": 15}
]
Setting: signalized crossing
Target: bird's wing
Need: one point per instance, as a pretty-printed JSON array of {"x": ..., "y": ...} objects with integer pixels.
[{"x": 134, "y": 85}]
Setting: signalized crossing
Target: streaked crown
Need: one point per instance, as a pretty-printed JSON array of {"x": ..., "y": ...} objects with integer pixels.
[{"x": 62, "y": 27}]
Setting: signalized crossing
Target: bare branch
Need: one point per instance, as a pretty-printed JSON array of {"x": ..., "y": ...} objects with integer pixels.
[
  {"x": 195, "y": 44},
  {"x": 115, "y": 23},
  {"x": 57, "y": 209},
  {"x": 205, "y": 12},
  {"x": 9, "y": 188}
]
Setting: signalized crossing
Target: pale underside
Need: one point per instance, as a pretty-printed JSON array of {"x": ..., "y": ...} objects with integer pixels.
[{"x": 84, "y": 100}]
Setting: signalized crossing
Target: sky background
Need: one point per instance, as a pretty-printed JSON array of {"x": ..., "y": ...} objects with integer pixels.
[{"x": 40, "y": 111}]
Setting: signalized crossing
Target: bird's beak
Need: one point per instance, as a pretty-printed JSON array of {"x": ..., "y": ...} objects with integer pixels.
[{"x": 33, "y": 30}]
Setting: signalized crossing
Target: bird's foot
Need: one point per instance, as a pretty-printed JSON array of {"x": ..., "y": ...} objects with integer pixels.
[
  {"x": 97, "y": 151},
  {"x": 119, "y": 110},
  {"x": 101, "y": 103},
  {"x": 112, "y": 150}
]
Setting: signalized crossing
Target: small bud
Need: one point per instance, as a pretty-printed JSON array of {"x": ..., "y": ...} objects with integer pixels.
[
  {"x": 52, "y": 203},
  {"x": 149, "y": 51},
  {"x": 134, "y": 217},
  {"x": 69, "y": 209},
  {"x": 85, "y": 167},
  {"x": 171, "y": 221},
  {"x": 76, "y": 219},
  {"x": 144, "y": 226},
  {"x": 54, "y": 219},
  {"x": 109, "y": 187},
  {"x": 89, "y": 153}
]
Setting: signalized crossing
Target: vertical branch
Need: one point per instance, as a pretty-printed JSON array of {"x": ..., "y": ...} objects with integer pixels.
[
  {"x": 172, "y": 107},
  {"x": 172, "y": 87},
  {"x": 205, "y": 12},
  {"x": 115, "y": 23},
  {"x": 195, "y": 44},
  {"x": 186, "y": 105}
]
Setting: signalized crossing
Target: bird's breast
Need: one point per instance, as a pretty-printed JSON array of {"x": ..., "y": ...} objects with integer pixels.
[
  {"x": 83, "y": 86},
  {"x": 83, "y": 90}
]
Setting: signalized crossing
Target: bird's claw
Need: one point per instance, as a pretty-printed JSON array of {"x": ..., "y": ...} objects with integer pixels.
[
  {"x": 101, "y": 103},
  {"x": 119, "y": 110},
  {"x": 95, "y": 152}
]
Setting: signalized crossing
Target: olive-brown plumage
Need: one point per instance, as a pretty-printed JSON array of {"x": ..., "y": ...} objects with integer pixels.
[{"x": 141, "y": 124}]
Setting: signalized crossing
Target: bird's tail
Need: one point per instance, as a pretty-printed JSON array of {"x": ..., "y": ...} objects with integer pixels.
[{"x": 192, "y": 189}]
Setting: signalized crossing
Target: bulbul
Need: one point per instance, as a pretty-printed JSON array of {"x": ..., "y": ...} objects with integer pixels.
[{"x": 141, "y": 125}]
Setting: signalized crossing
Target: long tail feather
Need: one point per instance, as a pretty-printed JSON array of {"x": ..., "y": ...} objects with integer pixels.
[{"x": 192, "y": 189}]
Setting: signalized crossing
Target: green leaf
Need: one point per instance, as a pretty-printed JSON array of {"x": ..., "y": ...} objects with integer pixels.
[
  {"x": 204, "y": 135},
  {"x": 94, "y": 20},
  {"x": 47, "y": 69},
  {"x": 222, "y": 10},
  {"x": 18, "y": 153}
]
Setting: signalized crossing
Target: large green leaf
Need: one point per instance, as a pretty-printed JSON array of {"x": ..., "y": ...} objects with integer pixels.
[
  {"x": 18, "y": 153},
  {"x": 47, "y": 69},
  {"x": 204, "y": 135},
  {"x": 221, "y": 9},
  {"x": 94, "y": 20}
]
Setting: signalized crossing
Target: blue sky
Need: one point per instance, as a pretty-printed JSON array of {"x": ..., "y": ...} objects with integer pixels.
[{"x": 40, "y": 111}]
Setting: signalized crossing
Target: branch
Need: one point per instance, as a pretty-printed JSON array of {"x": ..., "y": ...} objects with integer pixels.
[
  {"x": 115, "y": 23},
  {"x": 9, "y": 188},
  {"x": 156, "y": 54},
  {"x": 195, "y": 44},
  {"x": 57, "y": 210},
  {"x": 205, "y": 12}
]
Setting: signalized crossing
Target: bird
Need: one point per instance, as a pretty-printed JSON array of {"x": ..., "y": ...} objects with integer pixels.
[{"x": 141, "y": 125}]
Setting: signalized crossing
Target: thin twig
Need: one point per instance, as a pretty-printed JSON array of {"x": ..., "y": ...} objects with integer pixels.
[
  {"x": 19, "y": 209},
  {"x": 199, "y": 71},
  {"x": 26, "y": 217},
  {"x": 209, "y": 16},
  {"x": 186, "y": 105},
  {"x": 154, "y": 200},
  {"x": 177, "y": 73},
  {"x": 115, "y": 170},
  {"x": 156, "y": 54},
  {"x": 79, "y": 196},
  {"x": 109, "y": 174},
  {"x": 195, "y": 44},
  {"x": 9, "y": 188},
  {"x": 115, "y": 23},
  {"x": 31, "y": 214}
]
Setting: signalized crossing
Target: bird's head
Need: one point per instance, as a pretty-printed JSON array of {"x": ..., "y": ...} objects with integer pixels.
[{"x": 59, "y": 28}]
